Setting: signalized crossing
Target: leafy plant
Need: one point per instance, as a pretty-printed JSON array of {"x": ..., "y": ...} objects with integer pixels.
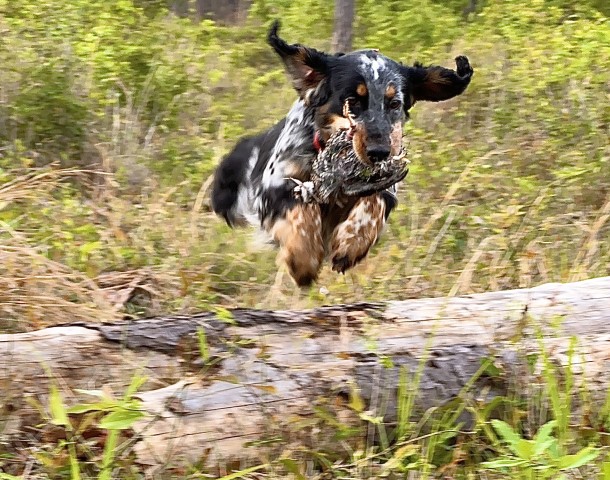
[
  {"x": 108, "y": 413},
  {"x": 540, "y": 457},
  {"x": 118, "y": 414}
]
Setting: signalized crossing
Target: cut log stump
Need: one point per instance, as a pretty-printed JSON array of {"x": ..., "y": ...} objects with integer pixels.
[{"x": 269, "y": 374}]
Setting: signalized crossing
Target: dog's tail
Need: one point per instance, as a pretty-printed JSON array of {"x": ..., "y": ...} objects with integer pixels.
[{"x": 232, "y": 195}]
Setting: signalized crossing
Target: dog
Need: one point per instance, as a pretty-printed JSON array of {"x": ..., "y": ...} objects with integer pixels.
[{"x": 255, "y": 183}]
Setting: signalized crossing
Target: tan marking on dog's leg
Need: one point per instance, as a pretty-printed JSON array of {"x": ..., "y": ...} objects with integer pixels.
[
  {"x": 299, "y": 234},
  {"x": 353, "y": 238}
]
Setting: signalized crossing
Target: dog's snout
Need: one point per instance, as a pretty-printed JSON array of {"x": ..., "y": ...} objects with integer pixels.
[{"x": 378, "y": 153}]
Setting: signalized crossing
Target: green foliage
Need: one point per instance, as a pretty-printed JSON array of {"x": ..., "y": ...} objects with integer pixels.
[
  {"x": 499, "y": 189},
  {"x": 538, "y": 458},
  {"x": 107, "y": 413},
  {"x": 419, "y": 24}
]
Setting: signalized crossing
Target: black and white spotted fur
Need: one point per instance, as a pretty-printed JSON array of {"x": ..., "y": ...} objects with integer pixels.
[{"x": 257, "y": 191}]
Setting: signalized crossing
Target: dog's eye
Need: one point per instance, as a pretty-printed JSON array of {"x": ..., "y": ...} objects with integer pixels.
[{"x": 395, "y": 104}]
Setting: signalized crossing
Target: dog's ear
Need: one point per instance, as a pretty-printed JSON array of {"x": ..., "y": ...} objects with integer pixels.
[
  {"x": 307, "y": 67},
  {"x": 436, "y": 83}
]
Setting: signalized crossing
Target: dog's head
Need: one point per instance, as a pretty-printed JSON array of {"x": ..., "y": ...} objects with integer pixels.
[{"x": 377, "y": 91}]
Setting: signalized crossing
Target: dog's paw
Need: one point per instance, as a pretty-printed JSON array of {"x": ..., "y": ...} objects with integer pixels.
[{"x": 341, "y": 263}]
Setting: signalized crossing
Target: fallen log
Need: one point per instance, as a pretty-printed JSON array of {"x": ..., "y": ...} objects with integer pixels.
[{"x": 267, "y": 375}]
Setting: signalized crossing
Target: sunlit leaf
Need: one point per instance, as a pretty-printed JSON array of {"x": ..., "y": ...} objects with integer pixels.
[
  {"x": 584, "y": 456},
  {"x": 59, "y": 414},
  {"x": 120, "y": 419}
]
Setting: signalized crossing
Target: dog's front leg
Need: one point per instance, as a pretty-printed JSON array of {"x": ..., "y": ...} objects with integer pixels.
[
  {"x": 352, "y": 239},
  {"x": 299, "y": 233}
]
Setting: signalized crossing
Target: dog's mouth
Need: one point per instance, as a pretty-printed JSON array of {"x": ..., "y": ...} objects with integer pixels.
[
  {"x": 345, "y": 122},
  {"x": 355, "y": 130},
  {"x": 339, "y": 172}
]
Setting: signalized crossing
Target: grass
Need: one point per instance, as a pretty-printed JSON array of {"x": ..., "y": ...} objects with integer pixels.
[{"x": 105, "y": 171}]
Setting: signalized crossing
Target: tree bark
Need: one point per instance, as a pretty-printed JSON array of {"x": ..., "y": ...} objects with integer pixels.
[
  {"x": 469, "y": 9},
  {"x": 271, "y": 373},
  {"x": 343, "y": 26},
  {"x": 180, "y": 8},
  {"x": 229, "y": 12}
]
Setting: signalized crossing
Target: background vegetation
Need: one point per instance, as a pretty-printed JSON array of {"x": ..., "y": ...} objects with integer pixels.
[{"x": 113, "y": 115}]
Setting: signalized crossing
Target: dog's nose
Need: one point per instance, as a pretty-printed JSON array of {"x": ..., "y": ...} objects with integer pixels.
[{"x": 377, "y": 154}]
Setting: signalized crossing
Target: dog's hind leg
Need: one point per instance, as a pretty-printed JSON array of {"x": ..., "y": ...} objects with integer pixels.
[
  {"x": 299, "y": 234},
  {"x": 353, "y": 238}
]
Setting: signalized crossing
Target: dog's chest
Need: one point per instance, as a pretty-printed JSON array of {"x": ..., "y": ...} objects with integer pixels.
[{"x": 293, "y": 153}]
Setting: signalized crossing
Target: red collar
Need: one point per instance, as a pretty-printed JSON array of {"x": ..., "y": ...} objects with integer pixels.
[{"x": 317, "y": 141}]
